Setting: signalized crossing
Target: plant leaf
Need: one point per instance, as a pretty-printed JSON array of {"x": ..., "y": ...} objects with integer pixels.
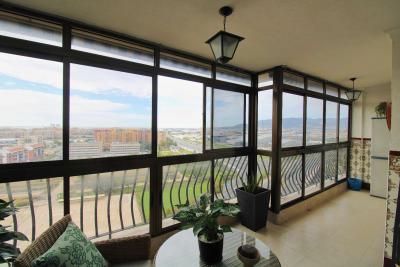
[{"x": 226, "y": 228}]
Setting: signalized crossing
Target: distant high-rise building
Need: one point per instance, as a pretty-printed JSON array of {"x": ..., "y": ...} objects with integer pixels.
[
  {"x": 118, "y": 149},
  {"x": 117, "y": 135},
  {"x": 24, "y": 153},
  {"x": 85, "y": 150}
]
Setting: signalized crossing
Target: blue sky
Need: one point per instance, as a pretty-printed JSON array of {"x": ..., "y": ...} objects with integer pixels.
[{"x": 31, "y": 95}]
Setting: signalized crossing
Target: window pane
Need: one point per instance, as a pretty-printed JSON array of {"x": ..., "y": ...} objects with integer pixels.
[
  {"x": 344, "y": 123},
  {"x": 183, "y": 183},
  {"x": 342, "y": 163},
  {"x": 31, "y": 107},
  {"x": 208, "y": 116},
  {"x": 176, "y": 63},
  {"x": 265, "y": 79},
  {"x": 293, "y": 80},
  {"x": 110, "y": 113},
  {"x": 246, "y": 123},
  {"x": 180, "y": 116},
  {"x": 228, "y": 119},
  {"x": 264, "y": 135},
  {"x": 264, "y": 170},
  {"x": 315, "y": 125},
  {"x": 110, "y": 200},
  {"x": 40, "y": 201},
  {"x": 104, "y": 46},
  {"x": 233, "y": 77},
  {"x": 291, "y": 172},
  {"x": 330, "y": 167},
  {"x": 228, "y": 173},
  {"x": 343, "y": 94},
  {"x": 331, "y": 122},
  {"x": 315, "y": 86},
  {"x": 30, "y": 29},
  {"x": 331, "y": 90},
  {"x": 313, "y": 173},
  {"x": 292, "y": 120}
]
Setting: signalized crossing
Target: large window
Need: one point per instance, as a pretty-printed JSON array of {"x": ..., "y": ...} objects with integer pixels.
[
  {"x": 180, "y": 119},
  {"x": 228, "y": 119},
  {"x": 292, "y": 120},
  {"x": 233, "y": 77},
  {"x": 315, "y": 115},
  {"x": 171, "y": 62},
  {"x": 293, "y": 80},
  {"x": 30, "y": 29},
  {"x": 264, "y": 140},
  {"x": 331, "y": 122},
  {"x": 110, "y": 113},
  {"x": 265, "y": 79},
  {"x": 332, "y": 90},
  {"x": 315, "y": 86},
  {"x": 344, "y": 123},
  {"x": 104, "y": 46},
  {"x": 31, "y": 109}
]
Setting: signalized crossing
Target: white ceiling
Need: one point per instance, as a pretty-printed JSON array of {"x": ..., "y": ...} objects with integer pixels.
[{"x": 333, "y": 39}]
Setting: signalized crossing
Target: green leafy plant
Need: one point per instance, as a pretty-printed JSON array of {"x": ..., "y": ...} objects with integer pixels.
[
  {"x": 203, "y": 218},
  {"x": 252, "y": 185},
  {"x": 8, "y": 252},
  {"x": 380, "y": 109}
]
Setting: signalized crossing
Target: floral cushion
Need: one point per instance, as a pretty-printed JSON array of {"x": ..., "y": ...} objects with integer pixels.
[{"x": 71, "y": 249}]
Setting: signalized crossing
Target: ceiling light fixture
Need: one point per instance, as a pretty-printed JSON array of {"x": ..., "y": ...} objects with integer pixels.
[
  {"x": 353, "y": 94},
  {"x": 224, "y": 44}
]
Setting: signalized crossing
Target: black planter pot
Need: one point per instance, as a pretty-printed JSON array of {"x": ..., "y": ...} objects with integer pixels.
[
  {"x": 211, "y": 253},
  {"x": 253, "y": 207}
]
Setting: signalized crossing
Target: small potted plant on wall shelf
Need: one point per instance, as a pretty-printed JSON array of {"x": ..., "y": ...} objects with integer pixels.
[
  {"x": 203, "y": 219},
  {"x": 253, "y": 202},
  {"x": 380, "y": 109}
]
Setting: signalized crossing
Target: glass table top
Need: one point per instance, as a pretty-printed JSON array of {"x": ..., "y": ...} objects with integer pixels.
[{"x": 182, "y": 249}]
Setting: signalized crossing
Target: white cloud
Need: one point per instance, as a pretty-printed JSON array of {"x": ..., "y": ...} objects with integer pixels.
[
  {"x": 32, "y": 69},
  {"x": 83, "y": 78},
  {"x": 103, "y": 81},
  {"x": 228, "y": 108},
  {"x": 103, "y": 113},
  {"x": 292, "y": 106},
  {"x": 180, "y": 103},
  {"x": 29, "y": 108},
  {"x": 265, "y": 105}
]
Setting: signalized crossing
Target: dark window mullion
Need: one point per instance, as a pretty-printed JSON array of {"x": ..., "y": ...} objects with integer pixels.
[
  {"x": 244, "y": 120},
  {"x": 66, "y": 113},
  {"x": 204, "y": 131}
]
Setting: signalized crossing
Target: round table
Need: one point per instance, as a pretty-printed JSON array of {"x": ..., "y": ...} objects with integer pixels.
[{"x": 182, "y": 249}]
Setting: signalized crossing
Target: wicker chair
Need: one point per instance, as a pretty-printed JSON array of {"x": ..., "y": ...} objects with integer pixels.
[{"x": 127, "y": 251}]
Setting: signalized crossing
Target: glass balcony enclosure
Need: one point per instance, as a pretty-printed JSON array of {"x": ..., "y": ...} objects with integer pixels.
[
  {"x": 309, "y": 141},
  {"x": 117, "y": 131}
]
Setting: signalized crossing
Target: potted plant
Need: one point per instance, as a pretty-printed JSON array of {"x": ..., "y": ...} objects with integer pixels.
[
  {"x": 380, "y": 109},
  {"x": 8, "y": 252},
  {"x": 253, "y": 202},
  {"x": 203, "y": 219}
]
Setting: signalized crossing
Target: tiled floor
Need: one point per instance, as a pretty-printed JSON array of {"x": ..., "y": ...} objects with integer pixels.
[{"x": 347, "y": 231}]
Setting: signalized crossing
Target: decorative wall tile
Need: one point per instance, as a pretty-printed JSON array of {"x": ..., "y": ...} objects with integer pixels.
[
  {"x": 394, "y": 179},
  {"x": 360, "y": 159},
  {"x": 367, "y": 161}
]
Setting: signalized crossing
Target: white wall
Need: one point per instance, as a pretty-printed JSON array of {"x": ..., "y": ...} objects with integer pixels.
[{"x": 364, "y": 109}]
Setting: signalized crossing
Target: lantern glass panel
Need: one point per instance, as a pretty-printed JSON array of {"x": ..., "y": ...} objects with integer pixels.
[
  {"x": 216, "y": 46},
  {"x": 229, "y": 45}
]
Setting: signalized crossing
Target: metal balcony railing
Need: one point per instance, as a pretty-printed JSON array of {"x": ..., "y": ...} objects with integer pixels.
[{"x": 104, "y": 204}]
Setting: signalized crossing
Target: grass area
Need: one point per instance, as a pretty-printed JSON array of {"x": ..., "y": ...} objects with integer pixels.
[{"x": 172, "y": 196}]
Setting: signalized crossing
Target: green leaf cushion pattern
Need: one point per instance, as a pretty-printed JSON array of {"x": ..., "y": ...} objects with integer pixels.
[{"x": 71, "y": 249}]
